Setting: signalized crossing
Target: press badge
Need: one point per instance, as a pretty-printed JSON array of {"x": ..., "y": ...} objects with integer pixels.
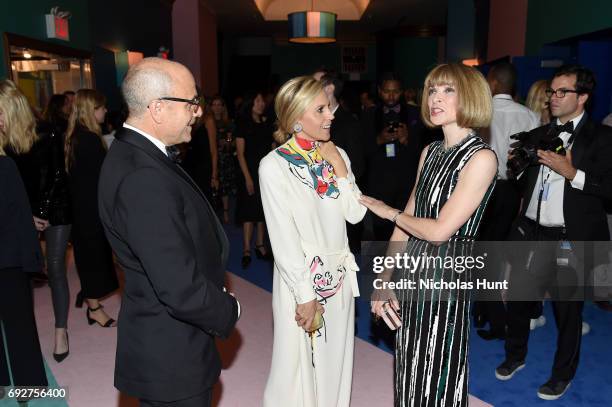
[
  {"x": 565, "y": 250},
  {"x": 390, "y": 150}
]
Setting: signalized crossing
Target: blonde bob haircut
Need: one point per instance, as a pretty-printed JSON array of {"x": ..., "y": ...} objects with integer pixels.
[
  {"x": 292, "y": 100},
  {"x": 83, "y": 115},
  {"x": 474, "y": 101},
  {"x": 19, "y": 124}
]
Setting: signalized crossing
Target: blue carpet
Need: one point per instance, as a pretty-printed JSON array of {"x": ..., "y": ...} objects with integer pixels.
[{"x": 591, "y": 387}]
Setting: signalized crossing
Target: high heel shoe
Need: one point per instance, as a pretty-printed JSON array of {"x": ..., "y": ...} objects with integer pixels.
[
  {"x": 260, "y": 255},
  {"x": 91, "y": 321},
  {"x": 59, "y": 357},
  {"x": 79, "y": 300},
  {"x": 246, "y": 259}
]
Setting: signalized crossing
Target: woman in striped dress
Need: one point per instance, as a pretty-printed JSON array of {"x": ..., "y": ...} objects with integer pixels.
[{"x": 442, "y": 217}]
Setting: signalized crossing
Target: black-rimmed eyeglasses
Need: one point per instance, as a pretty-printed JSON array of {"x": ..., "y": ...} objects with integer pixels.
[
  {"x": 192, "y": 104},
  {"x": 560, "y": 93}
]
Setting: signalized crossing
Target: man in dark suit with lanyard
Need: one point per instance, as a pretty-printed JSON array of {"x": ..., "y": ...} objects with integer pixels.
[
  {"x": 563, "y": 202},
  {"x": 392, "y": 151},
  {"x": 169, "y": 243}
]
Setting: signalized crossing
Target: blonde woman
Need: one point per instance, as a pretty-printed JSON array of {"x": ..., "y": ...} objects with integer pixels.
[
  {"x": 20, "y": 252},
  {"x": 455, "y": 180},
  {"x": 85, "y": 152},
  {"x": 538, "y": 102},
  {"x": 309, "y": 193}
]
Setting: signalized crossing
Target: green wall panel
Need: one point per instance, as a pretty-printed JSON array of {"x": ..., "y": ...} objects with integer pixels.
[
  {"x": 414, "y": 58},
  {"x": 553, "y": 20}
]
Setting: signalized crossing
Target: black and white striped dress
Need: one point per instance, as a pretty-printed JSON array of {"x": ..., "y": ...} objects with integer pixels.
[{"x": 432, "y": 343}]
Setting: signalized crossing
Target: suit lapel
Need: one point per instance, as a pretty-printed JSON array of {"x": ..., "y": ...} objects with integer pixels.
[
  {"x": 583, "y": 138},
  {"x": 139, "y": 141}
]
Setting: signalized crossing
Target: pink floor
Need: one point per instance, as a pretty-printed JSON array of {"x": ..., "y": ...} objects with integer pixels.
[{"x": 88, "y": 371}]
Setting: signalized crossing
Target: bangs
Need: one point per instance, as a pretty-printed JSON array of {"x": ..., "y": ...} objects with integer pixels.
[{"x": 442, "y": 75}]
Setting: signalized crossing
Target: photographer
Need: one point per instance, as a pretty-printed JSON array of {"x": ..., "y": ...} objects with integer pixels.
[
  {"x": 393, "y": 152},
  {"x": 564, "y": 195}
]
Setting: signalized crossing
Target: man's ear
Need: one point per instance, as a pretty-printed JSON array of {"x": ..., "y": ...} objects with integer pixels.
[
  {"x": 582, "y": 99},
  {"x": 155, "y": 110}
]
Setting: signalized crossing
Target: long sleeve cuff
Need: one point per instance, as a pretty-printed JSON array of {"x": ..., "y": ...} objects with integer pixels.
[
  {"x": 578, "y": 181},
  {"x": 303, "y": 292},
  {"x": 344, "y": 184}
]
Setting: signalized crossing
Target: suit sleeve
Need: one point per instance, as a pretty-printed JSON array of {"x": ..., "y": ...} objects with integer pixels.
[
  {"x": 598, "y": 174},
  {"x": 349, "y": 194},
  {"x": 150, "y": 209},
  {"x": 284, "y": 236}
]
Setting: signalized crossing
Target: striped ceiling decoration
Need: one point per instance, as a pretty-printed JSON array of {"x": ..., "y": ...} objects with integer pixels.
[{"x": 312, "y": 27}]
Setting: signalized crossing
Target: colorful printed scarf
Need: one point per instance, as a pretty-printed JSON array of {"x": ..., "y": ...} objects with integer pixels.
[{"x": 305, "y": 158}]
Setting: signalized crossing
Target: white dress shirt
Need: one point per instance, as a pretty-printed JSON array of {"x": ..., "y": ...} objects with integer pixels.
[
  {"x": 158, "y": 143},
  {"x": 551, "y": 212},
  {"x": 508, "y": 118}
]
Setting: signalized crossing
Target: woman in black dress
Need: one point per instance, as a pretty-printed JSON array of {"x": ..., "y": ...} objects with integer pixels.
[
  {"x": 85, "y": 152},
  {"x": 455, "y": 180},
  {"x": 20, "y": 254},
  {"x": 201, "y": 157},
  {"x": 253, "y": 141},
  {"x": 226, "y": 146}
]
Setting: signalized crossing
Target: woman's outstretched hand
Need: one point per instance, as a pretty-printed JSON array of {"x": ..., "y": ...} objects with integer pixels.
[{"x": 378, "y": 208}]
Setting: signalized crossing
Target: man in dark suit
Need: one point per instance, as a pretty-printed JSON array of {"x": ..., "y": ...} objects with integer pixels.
[
  {"x": 347, "y": 134},
  {"x": 564, "y": 200},
  {"x": 169, "y": 243},
  {"x": 394, "y": 144}
]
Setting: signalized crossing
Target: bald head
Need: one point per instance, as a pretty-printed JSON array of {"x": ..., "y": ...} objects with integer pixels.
[{"x": 151, "y": 79}]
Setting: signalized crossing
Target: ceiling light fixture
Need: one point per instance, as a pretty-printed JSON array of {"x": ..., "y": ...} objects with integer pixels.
[
  {"x": 312, "y": 27},
  {"x": 27, "y": 55}
]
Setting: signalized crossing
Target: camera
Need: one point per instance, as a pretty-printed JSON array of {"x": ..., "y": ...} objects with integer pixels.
[
  {"x": 392, "y": 126},
  {"x": 525, "y": 154}
]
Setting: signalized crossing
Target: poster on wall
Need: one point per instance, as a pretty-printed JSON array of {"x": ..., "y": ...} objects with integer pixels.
[{"x": 354, "y": 60}]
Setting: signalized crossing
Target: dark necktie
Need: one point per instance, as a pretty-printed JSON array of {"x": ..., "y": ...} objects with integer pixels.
[
  {"x": 173, "y": 154},
  {"x": 396, "y": 109}
]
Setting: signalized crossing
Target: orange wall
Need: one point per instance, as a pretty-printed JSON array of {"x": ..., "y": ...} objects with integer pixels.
[
  {"x": 185, "y": 35},
  {"x": 194, "y": 38},
  {"x": 208, "y": 52},
  {"x": 507, "y": 28}
]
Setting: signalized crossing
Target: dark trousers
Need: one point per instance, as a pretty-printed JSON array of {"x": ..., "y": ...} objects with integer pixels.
[
  {"x": 17, "y": 315},
  {"x": 201, "y": 400},
  {"x": 57, "y": 242},
  {"x": 568, "y": 314},
  {"x": 501, "y": 212}
]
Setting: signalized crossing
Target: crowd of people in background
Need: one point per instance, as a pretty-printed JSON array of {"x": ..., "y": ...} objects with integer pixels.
[{"x": 59, "y": 154}]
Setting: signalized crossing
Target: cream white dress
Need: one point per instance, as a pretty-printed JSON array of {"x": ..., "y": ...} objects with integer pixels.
[{"x": 306, "y": 210}]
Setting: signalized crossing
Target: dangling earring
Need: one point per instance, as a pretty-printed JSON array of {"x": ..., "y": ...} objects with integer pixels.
[{"x": 297, "y": 128}]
